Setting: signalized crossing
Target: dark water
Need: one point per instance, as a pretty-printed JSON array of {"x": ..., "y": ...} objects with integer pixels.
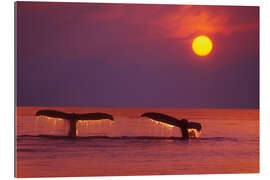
[{"x": 229, "y": 143}]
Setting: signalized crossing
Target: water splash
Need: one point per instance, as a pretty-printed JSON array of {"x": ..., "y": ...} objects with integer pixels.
[{"x": 193, "y": 133}]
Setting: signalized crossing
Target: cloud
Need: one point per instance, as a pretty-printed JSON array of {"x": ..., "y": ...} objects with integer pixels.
[
  {"x": 79, "y": 30},
  {"x": 170, "y": 21}
]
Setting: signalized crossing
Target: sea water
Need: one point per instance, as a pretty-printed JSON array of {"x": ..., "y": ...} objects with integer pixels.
[{"x": 132, "y": 145}]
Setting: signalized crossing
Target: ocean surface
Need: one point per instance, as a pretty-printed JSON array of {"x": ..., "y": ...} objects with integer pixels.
[{"x": 131, "y": 145}]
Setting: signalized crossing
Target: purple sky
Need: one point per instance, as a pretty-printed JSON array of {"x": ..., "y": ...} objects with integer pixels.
[{"x": 120, "y": 55}]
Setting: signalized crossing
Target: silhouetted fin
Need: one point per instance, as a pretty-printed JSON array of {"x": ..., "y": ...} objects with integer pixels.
[
  {"x": 53, "y": 114},
  {"x": 73, "y": 118},
  {"x": 183, "y": 123},
  {"x": 93, "y": 116},
  {"x": 194, "y": 125},
  {"x": 162, "y": 118}
]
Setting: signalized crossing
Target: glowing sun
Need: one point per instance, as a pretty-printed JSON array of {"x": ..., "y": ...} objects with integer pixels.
[{"x": 202, "y": 45}]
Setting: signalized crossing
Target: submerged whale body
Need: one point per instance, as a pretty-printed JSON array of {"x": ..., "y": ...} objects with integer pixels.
[
  {"x": 73, "y": 118},
  {"x": 183, "y": 124}
]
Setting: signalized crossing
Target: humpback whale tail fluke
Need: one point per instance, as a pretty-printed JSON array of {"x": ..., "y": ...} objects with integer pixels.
[
  {"x": 73, "y": 118},
  {"x": 183, "y": 124}
]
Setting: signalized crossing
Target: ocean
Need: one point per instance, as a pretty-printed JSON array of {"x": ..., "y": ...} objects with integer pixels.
[{"x": 132, "y": 145}]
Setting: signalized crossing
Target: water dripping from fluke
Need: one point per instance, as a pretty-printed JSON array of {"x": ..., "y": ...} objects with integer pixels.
[
  {"x": 73, "y": 118},
  {"x": 188, "y": 129},
  {"x": 88, "y": 122}
]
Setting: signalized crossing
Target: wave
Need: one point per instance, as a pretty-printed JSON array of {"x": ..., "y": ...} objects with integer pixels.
[
  {"x": 125, "y": 137},
  {"x": 97, "y": 137},
  {"x": 220, "y": 139}
]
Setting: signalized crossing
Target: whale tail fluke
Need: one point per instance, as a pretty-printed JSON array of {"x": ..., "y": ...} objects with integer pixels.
[
  {"x": 94, "y": 116},
  {"x": 73, "y": 118},
  {"x": 53, "y": 114},
  {"x": 194, "y": 125},
  {"x": 183, "y": 124},
  {"x": 162, "y": 118}
]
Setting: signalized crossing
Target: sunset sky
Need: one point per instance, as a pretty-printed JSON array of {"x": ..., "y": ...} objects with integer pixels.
[{"x": 128, "y": 55}]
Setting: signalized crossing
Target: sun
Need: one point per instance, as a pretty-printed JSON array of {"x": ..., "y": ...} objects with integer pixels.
[{"x": 202, "y": 45}]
